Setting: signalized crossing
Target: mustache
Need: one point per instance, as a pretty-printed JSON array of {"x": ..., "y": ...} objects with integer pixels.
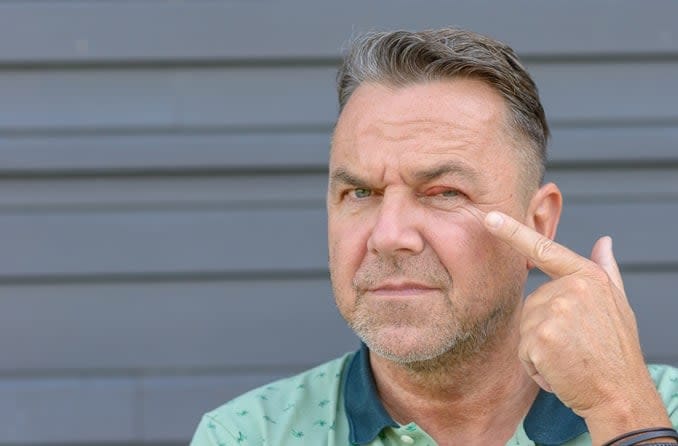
[{"x": 426, "y": 271}]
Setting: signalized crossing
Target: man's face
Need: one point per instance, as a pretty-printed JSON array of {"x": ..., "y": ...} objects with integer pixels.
[{"x": 412, "y": 172}]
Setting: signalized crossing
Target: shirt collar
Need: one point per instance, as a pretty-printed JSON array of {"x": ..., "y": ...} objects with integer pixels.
[
  {"x": 549, "y": 421},
  {"x": 366, "y": 415}
]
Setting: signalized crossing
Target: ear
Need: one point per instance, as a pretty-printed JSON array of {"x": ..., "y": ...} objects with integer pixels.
[{"x": 543, "y": 212}]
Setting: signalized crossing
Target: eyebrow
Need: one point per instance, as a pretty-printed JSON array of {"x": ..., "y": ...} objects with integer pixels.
[
  {"x": 343, "y": 176},
  {"x": 449, "y": 168}
]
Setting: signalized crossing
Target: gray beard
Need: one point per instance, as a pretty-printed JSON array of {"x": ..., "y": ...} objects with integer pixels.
[
  {"x": 467, "y": 344},
  {"x": 469, "y": 339}
]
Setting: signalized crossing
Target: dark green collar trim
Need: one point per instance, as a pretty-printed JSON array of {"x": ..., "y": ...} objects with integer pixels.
[
  {"x": 549, "y": 421},
  {"x": 366, "y": 415}
]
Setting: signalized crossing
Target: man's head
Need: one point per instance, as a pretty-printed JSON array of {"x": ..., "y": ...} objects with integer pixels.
[{"x": 435, "y": 129}]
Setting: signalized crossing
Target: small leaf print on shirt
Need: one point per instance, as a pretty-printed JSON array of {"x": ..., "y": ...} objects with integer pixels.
[
  {"x": 297, "y": 434},
  {"x": 269, "y": 419}
]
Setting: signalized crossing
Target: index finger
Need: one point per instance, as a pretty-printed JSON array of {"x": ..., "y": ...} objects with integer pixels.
[{"x": 554, "y": 259}]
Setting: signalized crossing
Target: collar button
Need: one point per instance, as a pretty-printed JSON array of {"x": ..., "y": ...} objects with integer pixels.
[{"x": 406, "y": 439}]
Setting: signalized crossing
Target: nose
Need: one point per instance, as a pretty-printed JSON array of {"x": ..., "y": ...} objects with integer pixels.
[{"x": 396, "y": 229}]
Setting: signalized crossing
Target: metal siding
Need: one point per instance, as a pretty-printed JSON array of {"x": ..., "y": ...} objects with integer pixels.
[
  {"x": 162, "y": 175},
  {"x": 204, "y": 30},
  {"x": 243, "y": 97}
]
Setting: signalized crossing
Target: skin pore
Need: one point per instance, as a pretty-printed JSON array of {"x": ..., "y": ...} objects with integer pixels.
[{"x": 413, "y": 170}]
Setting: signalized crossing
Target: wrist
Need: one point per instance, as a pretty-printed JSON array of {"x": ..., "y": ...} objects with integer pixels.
[{"x": 614, "y": 419}]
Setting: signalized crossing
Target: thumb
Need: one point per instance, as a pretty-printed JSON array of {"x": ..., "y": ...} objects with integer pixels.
[{"x": 603, "y": 256}]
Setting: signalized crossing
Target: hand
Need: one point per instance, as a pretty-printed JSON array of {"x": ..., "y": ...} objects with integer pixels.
[{"x": 579, "y": 337}]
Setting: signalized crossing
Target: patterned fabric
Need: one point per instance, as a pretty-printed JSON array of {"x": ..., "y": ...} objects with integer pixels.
[{"x": 336, "y": 404}]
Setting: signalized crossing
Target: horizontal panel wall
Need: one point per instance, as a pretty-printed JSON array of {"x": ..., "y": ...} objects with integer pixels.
[
  {"x": 208, "y": 30},
  {"x": 162, "y": 183},
  {"x": 239, "y": 324},
  {"x": 252, "y": 97}
]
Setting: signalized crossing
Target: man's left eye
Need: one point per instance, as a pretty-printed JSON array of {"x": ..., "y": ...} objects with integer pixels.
[{"x": 449, "y": 193}]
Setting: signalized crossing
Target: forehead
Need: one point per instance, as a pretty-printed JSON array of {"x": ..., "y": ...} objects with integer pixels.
[{"x": 461, "y": 117}]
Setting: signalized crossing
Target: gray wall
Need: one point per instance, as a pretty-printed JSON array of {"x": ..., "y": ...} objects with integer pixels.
[{"x": 162, "y": 174}]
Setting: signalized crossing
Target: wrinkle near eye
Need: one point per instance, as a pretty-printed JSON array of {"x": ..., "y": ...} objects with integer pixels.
[{"x": 494, "y": 203}]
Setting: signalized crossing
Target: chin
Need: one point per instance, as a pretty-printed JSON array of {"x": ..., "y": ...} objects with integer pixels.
[{"x": 408, "y": 346}]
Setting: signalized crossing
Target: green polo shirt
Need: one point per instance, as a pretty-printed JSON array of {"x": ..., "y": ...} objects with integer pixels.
[{"x": 337, "y": 404}]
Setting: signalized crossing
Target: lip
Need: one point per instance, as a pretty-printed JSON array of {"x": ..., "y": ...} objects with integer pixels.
[{"x": 401, "y": 289}]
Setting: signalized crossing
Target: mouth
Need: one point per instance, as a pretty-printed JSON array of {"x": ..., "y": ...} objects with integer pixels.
[{"x": 401, "y": 289}]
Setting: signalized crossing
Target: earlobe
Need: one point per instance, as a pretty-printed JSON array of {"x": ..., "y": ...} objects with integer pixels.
[{"x": 543, "y": 212}]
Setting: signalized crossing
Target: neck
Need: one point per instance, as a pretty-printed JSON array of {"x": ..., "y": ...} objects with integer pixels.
[{"x": 475, "y": 399}]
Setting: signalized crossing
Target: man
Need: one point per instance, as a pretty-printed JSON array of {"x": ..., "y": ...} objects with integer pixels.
[{"x": 436, "y": 214}]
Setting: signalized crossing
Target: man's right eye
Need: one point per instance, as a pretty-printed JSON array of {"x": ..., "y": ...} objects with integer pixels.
[{"x": 361, "y": 192}]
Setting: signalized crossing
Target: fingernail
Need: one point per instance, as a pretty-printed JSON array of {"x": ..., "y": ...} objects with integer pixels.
[{"x": 494, "y": 219}]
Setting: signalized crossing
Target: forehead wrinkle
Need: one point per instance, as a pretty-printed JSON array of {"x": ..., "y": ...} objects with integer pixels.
[
  {"x": 447, "y": 168},
  {"x": 412, "y": 129}
]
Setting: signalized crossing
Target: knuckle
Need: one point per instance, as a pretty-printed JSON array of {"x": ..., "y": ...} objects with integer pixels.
[
  {"x": 543, "y": 248},
  {"x": 546, "y": 334},
  {"x": 514, "y": 231},
  {"x": 561, "y": 306},
  {"x": 579, "y": 285},
  {"x": 599, "y": 275}
]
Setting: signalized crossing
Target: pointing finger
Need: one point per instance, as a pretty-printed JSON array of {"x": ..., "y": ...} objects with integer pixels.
[{"x": 547, "y": 255}]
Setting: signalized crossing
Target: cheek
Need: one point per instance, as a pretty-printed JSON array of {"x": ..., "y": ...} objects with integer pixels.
[
  {"x": 455, "y": 236},
  {"x": 464, "y": 246},
  {"x": 347, "y": 243}
]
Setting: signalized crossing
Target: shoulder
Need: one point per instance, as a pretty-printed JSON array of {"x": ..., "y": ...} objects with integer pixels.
[
  {"x": 294, "y": 406},
  {"x": 666, "y": 380}
]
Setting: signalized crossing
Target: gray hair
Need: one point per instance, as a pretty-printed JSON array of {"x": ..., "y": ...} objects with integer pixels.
[{"x": 402, "y": 58}]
